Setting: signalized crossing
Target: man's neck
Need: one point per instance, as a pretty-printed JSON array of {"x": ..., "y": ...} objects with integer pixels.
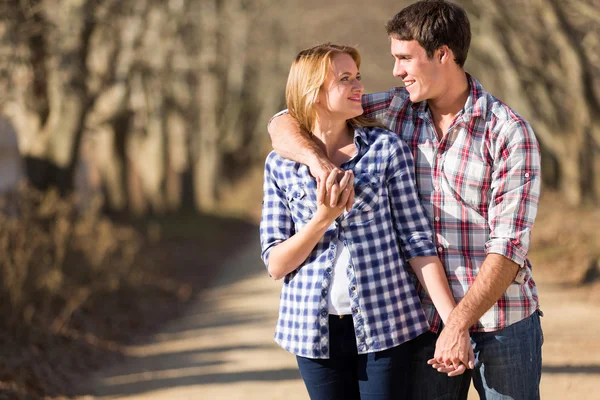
[{"x": 446, "y": 106}]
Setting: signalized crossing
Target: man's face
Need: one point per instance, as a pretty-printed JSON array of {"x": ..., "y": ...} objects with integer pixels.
[{"x": 421, "y": 75}]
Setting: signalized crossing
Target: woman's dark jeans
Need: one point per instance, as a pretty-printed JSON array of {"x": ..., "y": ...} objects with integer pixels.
[{"x": 347, "y": 375}]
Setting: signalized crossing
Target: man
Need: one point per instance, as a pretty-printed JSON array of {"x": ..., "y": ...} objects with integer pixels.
[{"x": 478, "y": 175}]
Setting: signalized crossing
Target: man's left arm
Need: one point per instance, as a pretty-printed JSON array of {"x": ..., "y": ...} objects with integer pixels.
[{"x": 516, "y": 182}]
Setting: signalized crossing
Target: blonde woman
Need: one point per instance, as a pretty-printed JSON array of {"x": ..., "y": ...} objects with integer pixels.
[{"x": 348, "y": 307}]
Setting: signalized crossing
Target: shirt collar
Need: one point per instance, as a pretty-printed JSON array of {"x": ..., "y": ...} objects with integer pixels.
[
  {"x": 475, "y": 106},
  {"x": 477, "y": 102},
  {"x": 360, "y": 136}
]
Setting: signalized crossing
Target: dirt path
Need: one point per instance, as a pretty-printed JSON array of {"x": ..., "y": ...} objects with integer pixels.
[{"x": 222, "y": 348}]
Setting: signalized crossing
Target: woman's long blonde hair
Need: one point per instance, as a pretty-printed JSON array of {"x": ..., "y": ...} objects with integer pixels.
[{"x": 307, "y": 75}]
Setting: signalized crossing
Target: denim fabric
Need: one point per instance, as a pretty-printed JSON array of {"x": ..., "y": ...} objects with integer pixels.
[
  {"x": 508, "y": 365},
  {"x": 347, "y": 375}
]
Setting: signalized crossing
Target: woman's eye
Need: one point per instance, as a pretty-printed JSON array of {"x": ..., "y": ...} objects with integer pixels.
[{"x": 345, "y": 78}]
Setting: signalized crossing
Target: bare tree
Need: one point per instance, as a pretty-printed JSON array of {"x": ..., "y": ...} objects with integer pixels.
[
  {"x": 155, "y": 90},
  {"x": 537, "y": 60}
]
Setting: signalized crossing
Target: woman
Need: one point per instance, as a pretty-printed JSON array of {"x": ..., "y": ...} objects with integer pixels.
[{"x": 348, "y": 307}]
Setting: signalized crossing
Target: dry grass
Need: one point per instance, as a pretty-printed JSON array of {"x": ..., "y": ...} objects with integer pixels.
[
  {"x": 566, "y": 241},
  {"x": 73, "y": 285}
]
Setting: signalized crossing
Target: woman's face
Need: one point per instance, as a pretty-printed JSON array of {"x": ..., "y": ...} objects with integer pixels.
[{"x": 340, "y": 95}]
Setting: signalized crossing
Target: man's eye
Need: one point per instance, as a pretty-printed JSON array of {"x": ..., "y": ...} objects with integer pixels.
[{"x": 359, "y": 78}]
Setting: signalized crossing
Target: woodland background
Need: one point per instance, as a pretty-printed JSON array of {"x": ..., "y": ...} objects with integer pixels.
[{"x": 133, "y": 122}]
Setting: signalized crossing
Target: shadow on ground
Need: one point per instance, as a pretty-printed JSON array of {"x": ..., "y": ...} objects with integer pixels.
[{"x": 209, "y": 254}]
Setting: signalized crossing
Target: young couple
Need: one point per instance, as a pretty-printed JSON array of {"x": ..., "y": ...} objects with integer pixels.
[{"x": 438, "y": 174}]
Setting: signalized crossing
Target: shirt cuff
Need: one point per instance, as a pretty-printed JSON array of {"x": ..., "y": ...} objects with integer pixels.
[
  {"x": 267, "y": 252},
  {"x": 277, "y": 115},
  {"x": 419, "y": 247},
  {"x": 512, "y": 249}
]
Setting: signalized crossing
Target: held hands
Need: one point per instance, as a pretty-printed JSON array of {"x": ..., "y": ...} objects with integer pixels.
[
  {"x": 334, "y": 194},
  {"x": 338, "y": 185},
  {"x": 453, "y": 352}
]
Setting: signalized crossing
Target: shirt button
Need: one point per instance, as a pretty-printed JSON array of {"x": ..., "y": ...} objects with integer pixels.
[
  {"x": 324, "y": 313},
  {"x": 353, "y": 288},
  {"x": 439, "y": 156},
  {"x": 437, "y": 218},
  {"x": 355, "y": 310},
  {"x": 325, "y": 292},
  {"x": 328, "y": 269},
  {"x": 527, "y": 175},
  {"x": 332, "y": 246},
  {"x": 440, "y": 248}
]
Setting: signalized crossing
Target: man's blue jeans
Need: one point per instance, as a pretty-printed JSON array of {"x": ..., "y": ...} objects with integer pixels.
[
  {"x": 508, "y": 365},
  {"x": 347, "y": 375}
]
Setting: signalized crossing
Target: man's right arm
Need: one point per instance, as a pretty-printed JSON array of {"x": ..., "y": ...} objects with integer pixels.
[{"x": 290, "y": 141}]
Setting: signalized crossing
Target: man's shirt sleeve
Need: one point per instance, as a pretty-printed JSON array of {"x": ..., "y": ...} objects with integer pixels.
[
  {"x": 516, "y": 182},
  {"x": 376, "y": 105},
  {"x": 410, "y": 221},
  {"x": 282, "y": 112},
  {"x": 276, "y": 223}
]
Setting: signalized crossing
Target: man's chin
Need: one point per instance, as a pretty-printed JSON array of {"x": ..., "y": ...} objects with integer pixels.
[{"x": 415, "y": 97}]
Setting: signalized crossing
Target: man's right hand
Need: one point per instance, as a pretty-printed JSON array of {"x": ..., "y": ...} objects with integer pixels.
[{"x": 290, "y": 141}]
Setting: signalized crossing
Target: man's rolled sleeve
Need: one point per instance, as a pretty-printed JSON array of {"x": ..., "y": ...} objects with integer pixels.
[
  {"x": 276, "y": 223},
  {"x": 410, "y": 221},
  {"x": 282, "y": 112},
  {"x": 516, "y": 182}
]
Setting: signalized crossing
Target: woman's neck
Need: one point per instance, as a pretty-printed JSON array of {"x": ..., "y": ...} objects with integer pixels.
[{"x": 336, "y": 139}]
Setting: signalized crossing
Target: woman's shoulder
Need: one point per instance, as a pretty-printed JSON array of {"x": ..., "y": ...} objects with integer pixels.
[
  {"x": 281, "y": 169},
  {"x": 376, "y": 135},
  {"x": 275, "y": 161}
]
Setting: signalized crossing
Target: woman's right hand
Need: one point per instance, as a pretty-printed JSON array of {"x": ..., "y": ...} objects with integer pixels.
[{"x": 325, "y": 210}]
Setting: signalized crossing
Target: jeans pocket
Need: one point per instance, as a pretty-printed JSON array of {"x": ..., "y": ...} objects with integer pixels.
[{"x": 540, "y": 314}]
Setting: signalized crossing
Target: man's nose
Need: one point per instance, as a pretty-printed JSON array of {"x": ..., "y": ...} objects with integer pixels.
[{"x": 399, "y": 71}]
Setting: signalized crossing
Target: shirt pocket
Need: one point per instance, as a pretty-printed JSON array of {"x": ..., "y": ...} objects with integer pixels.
[
  {"x": 476, "y": 183},
  {"x": 366, "y": 198},
  {"x": 472, "y": 183},
  {"x": 300, "y": 203}
]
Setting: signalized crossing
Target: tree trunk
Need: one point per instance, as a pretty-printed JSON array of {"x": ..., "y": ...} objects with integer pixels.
[{"x": 208, "y": 158}]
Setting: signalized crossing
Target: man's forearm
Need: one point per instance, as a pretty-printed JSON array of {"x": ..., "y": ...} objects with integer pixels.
[
  {"x": 290, "y": 141},
  {"x": 495, "y": 275}
]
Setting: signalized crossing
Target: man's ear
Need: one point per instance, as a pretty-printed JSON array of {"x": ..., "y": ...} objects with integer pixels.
[{"x": 444, "y": 54}]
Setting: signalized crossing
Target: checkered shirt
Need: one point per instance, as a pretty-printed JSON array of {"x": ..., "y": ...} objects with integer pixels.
[
  {"x": 480, "y": 187},
  {"x": 385, "y": 226}
]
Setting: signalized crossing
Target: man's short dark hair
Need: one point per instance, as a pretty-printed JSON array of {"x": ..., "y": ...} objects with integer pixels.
[{"x": 434, "y": 23}]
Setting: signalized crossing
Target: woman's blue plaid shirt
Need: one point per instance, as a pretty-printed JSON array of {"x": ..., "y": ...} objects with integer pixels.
[{"x": 385, "y": 227}]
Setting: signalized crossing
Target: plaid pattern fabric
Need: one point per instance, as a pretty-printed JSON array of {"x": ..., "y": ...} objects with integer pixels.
[
  {"x": 385, "y": 225},
  {"x": 480, "y": 187}
]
